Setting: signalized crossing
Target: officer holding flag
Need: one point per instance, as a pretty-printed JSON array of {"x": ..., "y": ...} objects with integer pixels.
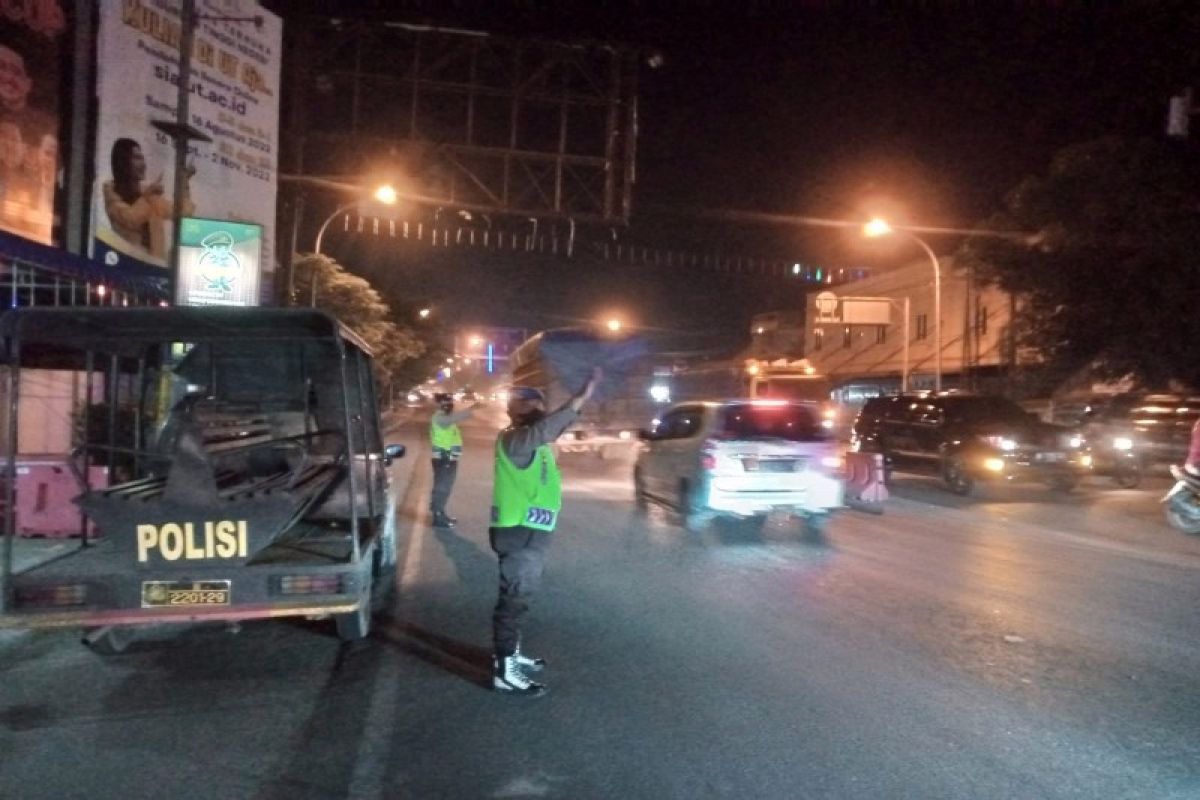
[{"x": 526, "y": 500}]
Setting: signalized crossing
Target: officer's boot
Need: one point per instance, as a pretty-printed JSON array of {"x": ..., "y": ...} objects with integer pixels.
[
  {"x": 508, "y": 677},
  {"x": 528, "y": 662},
  {"x": 440, "y": 520}
]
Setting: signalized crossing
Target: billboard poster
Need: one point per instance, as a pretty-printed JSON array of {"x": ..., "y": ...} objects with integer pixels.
[
  {"x": 233, "y": 100},
  {"x": 219, "y": 262},
  {"x": 32, "y": 37}
]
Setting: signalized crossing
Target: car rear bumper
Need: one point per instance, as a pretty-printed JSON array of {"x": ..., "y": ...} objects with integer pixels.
[{"x": 818, "y": 494}]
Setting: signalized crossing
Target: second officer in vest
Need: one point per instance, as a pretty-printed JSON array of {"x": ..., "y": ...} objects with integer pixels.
[
  {"x": 447, "y": 440},
  {"x": 526, "y": 499}
]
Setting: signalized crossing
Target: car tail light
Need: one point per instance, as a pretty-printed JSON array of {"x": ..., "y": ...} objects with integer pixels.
[
  {"x": 834, "y": 463},
  {"x": 72, "y": 594},
  {"x": 309, "y": 584},
  {"x": 708, "y": 454}
]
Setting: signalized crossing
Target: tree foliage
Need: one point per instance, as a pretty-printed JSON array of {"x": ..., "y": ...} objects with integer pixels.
[
  {"x": 1110, "y": 275},
  {"x": 356, "y": 303}
]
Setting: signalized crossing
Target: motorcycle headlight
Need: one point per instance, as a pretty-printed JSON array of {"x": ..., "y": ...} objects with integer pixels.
[{"x": 1122, "y": 443}]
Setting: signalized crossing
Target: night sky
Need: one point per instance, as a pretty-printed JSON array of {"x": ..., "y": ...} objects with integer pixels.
[{"x": 927, "y": 112}]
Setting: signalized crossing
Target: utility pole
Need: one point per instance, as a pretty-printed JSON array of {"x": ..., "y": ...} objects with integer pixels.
[{"x": 181, "y": 132}]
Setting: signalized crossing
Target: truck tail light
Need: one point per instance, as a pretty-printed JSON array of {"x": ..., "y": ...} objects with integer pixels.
[
  {"x": 309, "y": 584},
  {"x": 72, "y": 594}
]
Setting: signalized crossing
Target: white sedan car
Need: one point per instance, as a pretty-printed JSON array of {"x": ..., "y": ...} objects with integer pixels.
[{"x": 741, "y": 458}]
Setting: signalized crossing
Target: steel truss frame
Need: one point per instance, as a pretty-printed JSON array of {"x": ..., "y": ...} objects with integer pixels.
[{"x": 512, "y": 126}]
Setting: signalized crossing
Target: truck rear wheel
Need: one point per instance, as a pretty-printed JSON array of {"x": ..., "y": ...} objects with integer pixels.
[{"x": 357, "y": 624}]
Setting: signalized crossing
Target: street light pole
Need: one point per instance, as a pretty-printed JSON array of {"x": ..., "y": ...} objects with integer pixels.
[
  {"x": 937, "y": 307},
  {"x": 384, "y": 194},
  {"x": 342, "y": 209},
  {"x": 879, "y": 227},
  {"x": 312, "y": 278}
]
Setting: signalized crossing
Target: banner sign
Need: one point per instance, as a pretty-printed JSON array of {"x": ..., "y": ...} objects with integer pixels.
[
  {"x": 219, "y": 262},
  {"x": 234, "y": 100},
  {"x": 32, "y": 35}
]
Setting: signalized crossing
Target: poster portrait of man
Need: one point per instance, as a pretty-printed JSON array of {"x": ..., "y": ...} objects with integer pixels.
[{"x": 29, "y": 118}]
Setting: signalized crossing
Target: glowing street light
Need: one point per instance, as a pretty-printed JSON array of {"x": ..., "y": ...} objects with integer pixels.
[
  {"x": 386, "y": 194},
  {"x": 424, "y": 313},
  {"x": 880, "y": 227},
  {"x": 613, "y": 325}
]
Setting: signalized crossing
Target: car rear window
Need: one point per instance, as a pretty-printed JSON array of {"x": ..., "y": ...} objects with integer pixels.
[{"x": 762, "y": 421}]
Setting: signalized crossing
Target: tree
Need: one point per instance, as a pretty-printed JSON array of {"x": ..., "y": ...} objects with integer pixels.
[
  {"x": 356, "y": 303},
  {"x": 1109, "y": 277}
]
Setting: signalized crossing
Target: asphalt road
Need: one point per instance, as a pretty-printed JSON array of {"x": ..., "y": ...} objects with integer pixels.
[{"x": 1022, "y": 644}]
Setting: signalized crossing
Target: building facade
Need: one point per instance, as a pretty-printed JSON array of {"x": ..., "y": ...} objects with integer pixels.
[{"x": 976, "y": 336}]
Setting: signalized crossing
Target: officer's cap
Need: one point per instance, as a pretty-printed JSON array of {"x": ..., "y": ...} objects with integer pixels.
[
  {"x": 526, "y": 393},
  {"x": 218, "y": 239}
]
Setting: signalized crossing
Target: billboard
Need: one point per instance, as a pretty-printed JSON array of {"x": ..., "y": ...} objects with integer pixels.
[
  {"x": 219, "y": 262},
  {"x": 32, "y": 39},
  {"x": 234, "y": 100}
]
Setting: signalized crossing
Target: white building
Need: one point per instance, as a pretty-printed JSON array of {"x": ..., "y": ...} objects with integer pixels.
[{"x": 975, "y": 330}]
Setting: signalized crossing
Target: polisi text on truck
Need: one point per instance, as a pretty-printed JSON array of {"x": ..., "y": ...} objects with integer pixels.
[{"x": 188, "y": 541}]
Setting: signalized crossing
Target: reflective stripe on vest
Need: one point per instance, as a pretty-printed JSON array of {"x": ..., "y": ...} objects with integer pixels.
[
  {"x": 532, "y": 496},
  {"x": 445, "y": 438}
]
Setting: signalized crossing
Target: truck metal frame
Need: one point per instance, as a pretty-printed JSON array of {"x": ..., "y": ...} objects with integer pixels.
[{"x": 251, "y": 478}]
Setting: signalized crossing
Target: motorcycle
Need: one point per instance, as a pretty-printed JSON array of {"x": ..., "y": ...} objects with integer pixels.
[
  {"x": 1126, "y": 464},
  {"x": 1117, "y": 457},
  {"x": 1183, "y": 502}
]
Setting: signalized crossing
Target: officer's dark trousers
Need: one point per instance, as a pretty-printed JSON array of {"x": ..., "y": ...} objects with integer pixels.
[
  {"x": 444, "y": 472},
  {"x": 522, "y": 554}
]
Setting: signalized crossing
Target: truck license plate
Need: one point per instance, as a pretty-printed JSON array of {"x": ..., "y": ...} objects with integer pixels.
[{"x": 173, "y": 594}]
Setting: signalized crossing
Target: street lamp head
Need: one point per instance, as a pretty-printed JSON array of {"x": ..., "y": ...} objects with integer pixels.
[
  {"x": 386, "y": 194},
  {"x": 876, "y": 228},
  {"x": 613, "y": 325},
  {"x": 424, "y": 313}
]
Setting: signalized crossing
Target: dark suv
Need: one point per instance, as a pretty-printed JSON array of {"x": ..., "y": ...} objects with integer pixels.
[{"x": 965, "y": 438}]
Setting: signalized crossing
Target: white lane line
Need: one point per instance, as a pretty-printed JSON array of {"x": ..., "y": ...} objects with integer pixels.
[
  {"x": 412, "y": 554},
  {"x": 368, "y": 780}
]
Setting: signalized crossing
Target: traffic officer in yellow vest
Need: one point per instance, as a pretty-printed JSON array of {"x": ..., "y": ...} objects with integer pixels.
[
  {"x": 447, "y": 441},
  {"x": 526, "y": 499}
]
